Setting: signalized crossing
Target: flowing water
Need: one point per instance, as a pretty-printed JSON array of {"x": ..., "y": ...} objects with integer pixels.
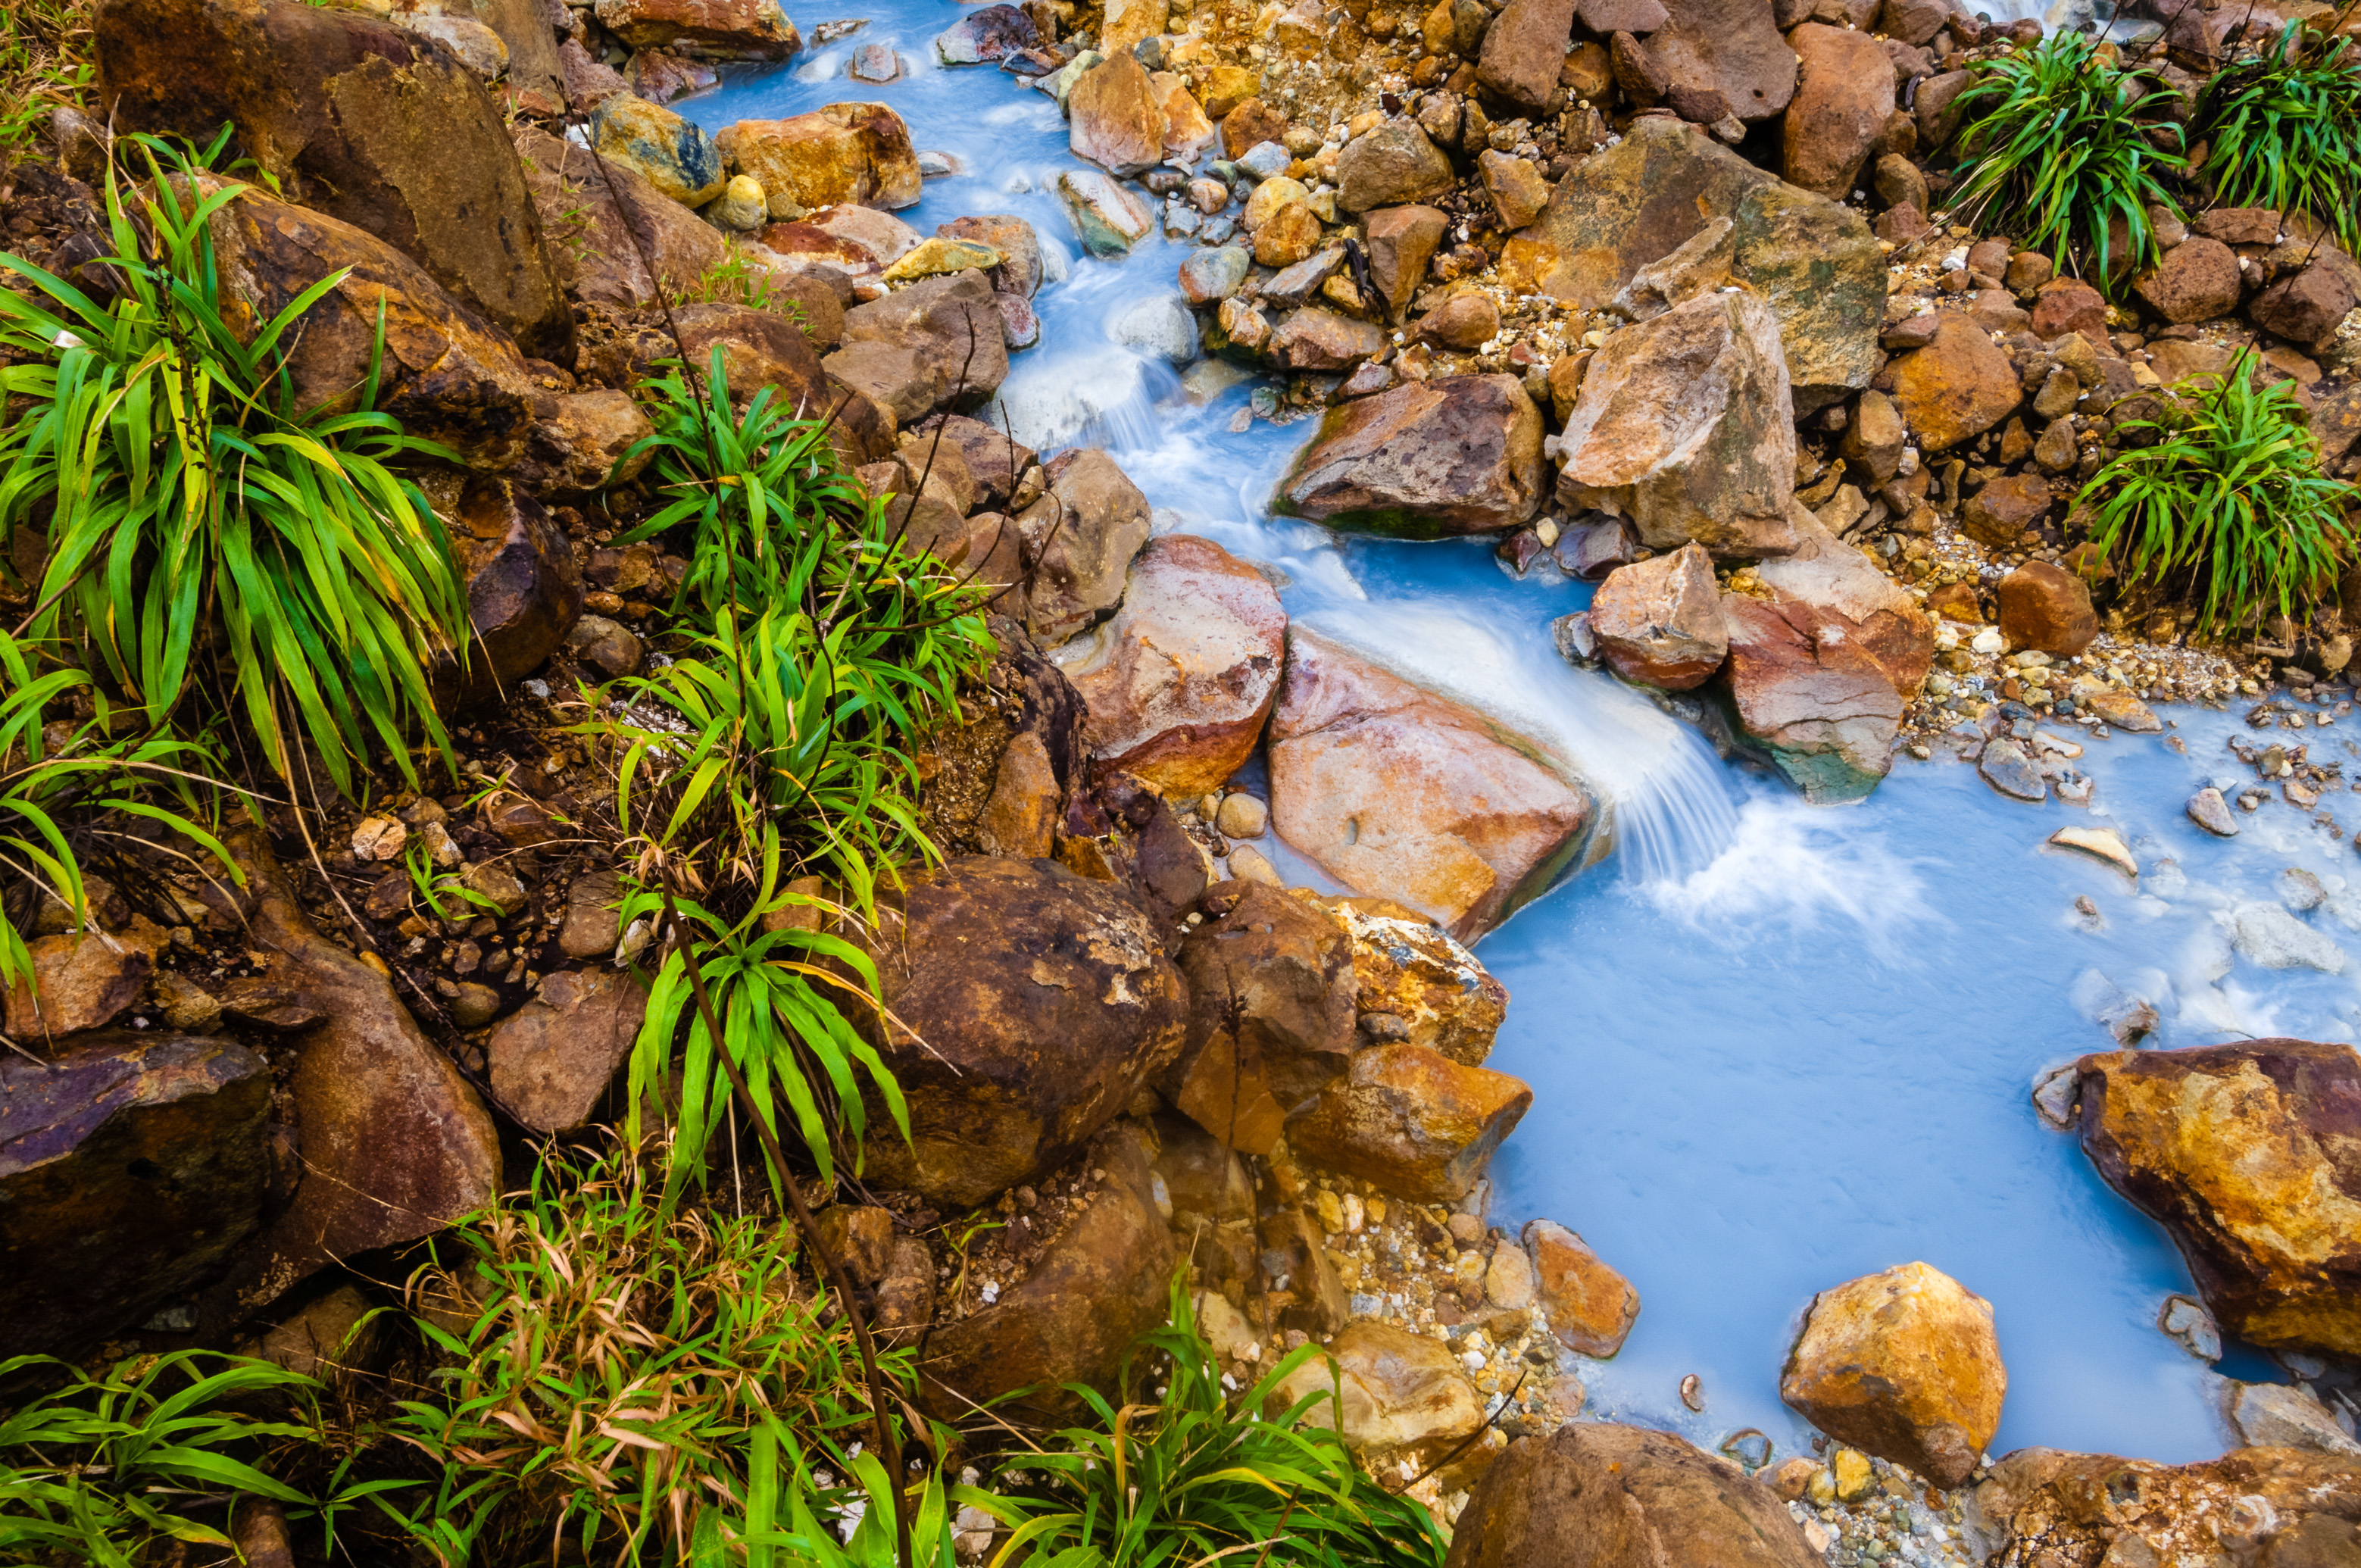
[{"x": 1772, "y": 1046}]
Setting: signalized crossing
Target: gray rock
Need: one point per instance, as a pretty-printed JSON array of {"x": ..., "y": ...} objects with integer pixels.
[
  {"x": 2300, "y": 890},
  {"x": 1211, "y": 276},
  {"x": 2276, "y": 939},
  {"x": 2184, "y": 1318},
  {"x": 2055, "y": 1094},
  {"x": 1160, "y": 324},
  {"x": 1267, "y": 160},
  {"x": 2273, "y": 1415},
  {"x": 2209, "y": 811},
  {"x": 2007, "y": 769},
  {"x": 1575, "y": 643}
]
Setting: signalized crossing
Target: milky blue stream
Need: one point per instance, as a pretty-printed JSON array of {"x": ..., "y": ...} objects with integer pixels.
[{"x": 1772, "y": 1047}]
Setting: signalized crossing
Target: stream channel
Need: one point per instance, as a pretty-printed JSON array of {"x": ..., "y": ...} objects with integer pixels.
[{"x": 1772, "y": 1046}]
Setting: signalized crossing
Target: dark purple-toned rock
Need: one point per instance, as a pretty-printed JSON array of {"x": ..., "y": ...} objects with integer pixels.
[{"x": 524, "y": 591}]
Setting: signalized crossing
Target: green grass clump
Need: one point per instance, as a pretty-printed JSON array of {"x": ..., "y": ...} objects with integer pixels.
[
  {"x": 2284, "y": 131},
  {"x": 2059, "y": 151},
  {"x": 2226, "y": 504},
  {"x": 203, "y": 531},
  {"x": 1183, "y": 1476},
  {"x": 44, "y": 64},
  {"x": 102, "y": 1470}
]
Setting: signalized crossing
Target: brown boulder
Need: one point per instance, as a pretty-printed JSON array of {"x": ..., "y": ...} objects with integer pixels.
[
  {"x": 1999, "y": 514},
  {"x": 2305, "y": 307},
  {"x": 1412, "y": 1121},
  {"x": 598, "y": 234},
  {"x": 1849, "y": 599},
  {"x": 2279, "y": 1507},
  {"x": 1315, "y": 339},
  {"x": 2246, "y": 1153},
  {"x": 1807, "y": 694},
  {"x": 553, "y": 1060},
  {"x": 1658, "y": 621},
  {"x": 582, "y": 440},
  {"x": 1523, "y": 48},
  {"x": 393, "y": 1142},
  {"x": 1957, "y": 387},
  {"x": 1081, "y": 537},
  {"x": 359, "y": 121},
  {"x": 1685, "y": 425},
  {"x": 2068, "y": 304},
  {"x": 1732, "y": 47},
  {"x": 524, "y": 591},
  {"x": 943, "y": 336},
  {"x": 2197, "y": 280},
  {"x": 1841, "y": 104},
  {"x": 844, "y": 152},
  {"x": 1390, "y": 166},
  {"x": 1117, "y": 118},
  {"x": 81, "y": 981},
  {"x": 1271, "y": 1013},
  {"x": 1618, "y": 1497},
  {"x": 1591, "y": 1306},
  {"x": 1401, "y": 240},
  {"x": 1401, "y": 1397},
  {"x": 1098, "y": 1284},
  {"x": 2042, "y": 607},
  {"x": 1179, "y": 681},
  {"x": 446, "y": 373},
  {"x": 995, "y": 460},
  {"x": 130, "y": 1167},
  {"x": 1456, "y": 455},
  {"x": 703, "y": 30},
  {"x": 1248, "y": 124},
  {"x": 1408, "y": 795},
  {"x": 1014, "y": 1053},
  {"x": 1904, "y": 1365}
]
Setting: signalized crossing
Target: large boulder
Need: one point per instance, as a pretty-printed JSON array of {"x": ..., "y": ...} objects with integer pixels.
[
  {"x": 1397, "y": 1396},
  {"x": 130, "y": 1167},
  {"x": 356, "y": 120},
  {"x": 1814, "y": 261},
  {"x": 936, "y": 344},
  {"x": 842, "y": 152},
  {"x": 1118, "y": 117},
  {"x": 2248, "y": 1154},
  {"x": 393, "y": 1142},
  {"x": 1684, "y": 424},
  {"x": 1081, "y": 537},
  {"x": 1457, "y": 455},
  {"x": 1179, "y": 681},
  {"x": 1412, "y": 1121},
  {"x": 1805, "y": 691},
  {"x": 2197, "y": 280},
  {"x": 603, "y": 237},
  {"x": 552, "y": 1061},
  {"x": 2279, "y": 1507},
  {"x": 448, "y": 375},
  {"x": 1842, "y": 102},
  {"x": 1957, "y": 386},
  {"x": 1904, "y": 1365},
  {"x": 703, "y": 30},
  {"x": 1728, "y": 47},
  {"x": 1403, "y": 793},
  {"x": 1096, "y": 1285},
  {"x": 1617, "y": 1497},
  {"x": 1271, "y": 997},
  {"x": 1015, "y": 1052},
  {"x": 1658, "y": 621}
]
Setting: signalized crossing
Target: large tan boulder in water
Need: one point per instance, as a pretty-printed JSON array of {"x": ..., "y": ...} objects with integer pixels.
[
  {"x": 358, "y": 120},
  {"x": 1904, "y": 1365},
  {"x": 1410, "y": 796}
]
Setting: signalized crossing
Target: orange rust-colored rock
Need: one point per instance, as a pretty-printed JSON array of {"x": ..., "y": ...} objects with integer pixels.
[
  {"x": 1411, "y": 970},
  {"x": 1956, "y": 388},
  {"x": 842, "y": 152},
  {"x": 2287, "y": 1508},
  {"x": 1591, "y": 1306},
  {"x": 1904, "y": 1365},
  {"x": 1412, "y": 1121}
]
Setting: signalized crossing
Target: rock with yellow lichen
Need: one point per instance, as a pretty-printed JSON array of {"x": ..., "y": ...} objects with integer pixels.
[{"x": 1904, "y": 1365}]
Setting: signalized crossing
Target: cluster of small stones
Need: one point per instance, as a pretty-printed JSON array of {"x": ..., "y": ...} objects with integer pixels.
[{"x": 1859, "y": 1510}]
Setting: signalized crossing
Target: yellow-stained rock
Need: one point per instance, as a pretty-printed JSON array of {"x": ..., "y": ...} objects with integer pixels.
[
  {"x": 1404, "y": 1395},
  {"x": 844, "y": 152},
  {"x": 1415, "y": 1123},
  {"x": 1904, "y": 1364},
  {"x": 1590, "y": 1306},
  {"x": 936, "y": 255},
  {"x": 1407, "y": 968}
]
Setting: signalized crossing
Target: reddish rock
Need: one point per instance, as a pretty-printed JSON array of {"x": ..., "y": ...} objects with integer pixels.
[
  {"x": 1014, "y": 1053},
  {"x": 2305, "y": 308},
  {"x": 1659, "y": 621},
  {"x": 2197, "y": 280},
  {"x": 1999, "y": 514},
  {"x": 1401, "y": 240},
  {"x": 1456, "y": 455},
  {"x": 1117, "y": 118},
  {"x": 1189, "y": 136},
  {"x": 1081, "y": 537},
  {"x": 1434, "y": 990},
  {"x": 1404, "y": 794},
  {"x": 1320, "y": 340},
  {"x": 1841, "y": 104},
  {"x": 1734, "y": 47},
  {"x": 1809, "y": 695},
  {"x": 1591, "y": 1306},
  {"x": 1956, "y": 388},
  {"x": 1523, "y": 50},
  {"x": 1847, "y": 596},
  {"x": 1464, "y": 322},
  {"x": 552, "y": 1061},
  {"x": 2239, "y": 225},
  {"x": 1412, "y": 1121},
  {"x": 2042, "y": 607},
  {"x": 1179, "y": 681},
  {"x": 1249, "y": 125},
  {"x": 2068, "y": 304},
  {"x": 703, "y": 30}
]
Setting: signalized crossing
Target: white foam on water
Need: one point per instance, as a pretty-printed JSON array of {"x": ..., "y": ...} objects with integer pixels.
[{"x": 1790, "y": 863}]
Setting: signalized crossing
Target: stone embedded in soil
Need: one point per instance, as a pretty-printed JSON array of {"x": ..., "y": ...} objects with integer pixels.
[
  {"x": 1904, "y": 1365},
  {"x": 1179, "y": 681},
  {"x": 1401, "y": 240},
  {"x": 1609, "y": 1495},
  {"x": 850, "y": 152},
  {"x": 1523, "y": 50},
  {"x": 1684, "y": 424},
  {"x": 131, "y": 1166},
  {"x": 2068, "y": 304},
  {"x": 2197, "y": 280},
  {"x": 1012, "y": 1054},
  {"x": 524, "y": 590},
  {"x": 81, "y": 980},
  {"x": 1412, "y": 1121},
  {"x": 1390, "y": 166},
  {"x": 1659, "y": 621},
  {"x": 1956, "y": 388},
  {"x": 1812, "y": 260},
  {"x": 601, "y": 254},
  {"x": 2244, "y": 1153},
  {"x": 1840, "y": 108},
  {"x": 1408, "y": 795},
  {"x": 1591, "y": 1306},
  {"x": 552, "y": 1061},
  {"x": 1404, "y": 1397},
  {"x": 2305, "y": 307},
  {"x": 2044, "y": 608},
  {"x": 1456, "y": 454},
  {"x": 949, "y": 333}
]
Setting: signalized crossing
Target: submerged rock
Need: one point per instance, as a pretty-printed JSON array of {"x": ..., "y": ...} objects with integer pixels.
[
  {"x": 1807, "y": 693},
  {"x": 2248, "y": 1154},
  {"x": 1403, "y": 793},
  {"x": 2276, "y": 939},
  {"x": 2007, "y": 769},
  {"x": 1457, "y": 455},
  {"x": 1108, "y": 218},
  {"x": 1904, "y": 1365}
]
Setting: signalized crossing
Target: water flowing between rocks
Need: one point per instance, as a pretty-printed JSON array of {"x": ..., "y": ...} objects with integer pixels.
[{"x": 1773, "y": 1046}]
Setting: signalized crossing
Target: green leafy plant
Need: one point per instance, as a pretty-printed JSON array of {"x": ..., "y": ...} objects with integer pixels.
[
  {"x": 43, "y": 64},
  {"x": 446, "y": 895},
  {"x": 737, "y": 281},
  {"x": 2063, "y": 149},
  {"x": 2284, "y": 131},
  {"x": 1186, "y": 1477},
  {"x": 100, "y": 1469},
  {"x": 2227, "y": 501},
  {"x": 790, "y": 1506},
  {"x": 616, "y": 1376},
  {"x": 189, "y": 502}
]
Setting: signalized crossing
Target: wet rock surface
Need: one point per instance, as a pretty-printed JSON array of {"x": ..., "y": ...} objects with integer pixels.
[
  {"x": 1904, "y": 1365},
  {"x": 1457, "y": 455}
]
